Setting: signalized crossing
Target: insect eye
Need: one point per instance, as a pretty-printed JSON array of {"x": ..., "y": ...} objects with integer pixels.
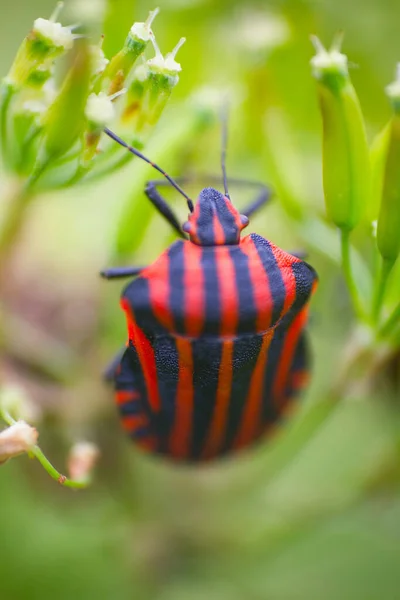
[
  {"x": 244, "y": 220},
  {"x": 186, "y": 227}
]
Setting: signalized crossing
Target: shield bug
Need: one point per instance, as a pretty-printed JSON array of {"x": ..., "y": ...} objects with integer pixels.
[{"x": 216, "y": 350}]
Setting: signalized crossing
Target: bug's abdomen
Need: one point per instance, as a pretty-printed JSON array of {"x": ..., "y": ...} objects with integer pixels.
[{"x": 213, "y": 397}]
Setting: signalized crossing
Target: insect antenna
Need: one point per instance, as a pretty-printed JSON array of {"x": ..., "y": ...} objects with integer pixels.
[
  {"x": 136, "y": 152},
  {"x": 224, "y": 143}
]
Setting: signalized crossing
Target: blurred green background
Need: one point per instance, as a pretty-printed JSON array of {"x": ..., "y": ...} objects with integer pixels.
[{"x": 315, "y": 512}]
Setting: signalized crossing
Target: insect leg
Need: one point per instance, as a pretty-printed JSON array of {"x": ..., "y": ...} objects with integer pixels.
[
  {"x": 262, "y": 198},
  {"x": 121, "y": 272},
  {"x": 161, "y": 205}
]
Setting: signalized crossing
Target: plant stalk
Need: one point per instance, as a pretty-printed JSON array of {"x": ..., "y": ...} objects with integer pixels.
[{"x": 348, "y": 274}]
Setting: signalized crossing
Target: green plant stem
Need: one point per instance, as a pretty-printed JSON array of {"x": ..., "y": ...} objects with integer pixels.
[
  {"x": 6, "y": 95},
  {"x": 390, "y": 324},
  {"x": 348, "y": 274},
  {"x": 37, "y": 453},
  {"x": 18, "y": 203},
  {"x": 381, "y": 283},
  {"x": 54, "y": 474},
  {"x": 13, "y": 220}
]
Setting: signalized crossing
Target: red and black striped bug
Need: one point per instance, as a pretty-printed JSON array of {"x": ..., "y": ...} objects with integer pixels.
[{"x": 217, "y": 351}]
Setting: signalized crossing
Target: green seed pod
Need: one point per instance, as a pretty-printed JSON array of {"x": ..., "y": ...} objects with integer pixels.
[
  {"x": 388, "y": 232},
  {"x": 65, "y": 120},
  {"x": 135, "y": 44},
  {"x": 378, "y": 154},
  {"x": 346, "y": 164},
  {"x": 151, "y": 89},
  {"x": 46, "y": 40}
]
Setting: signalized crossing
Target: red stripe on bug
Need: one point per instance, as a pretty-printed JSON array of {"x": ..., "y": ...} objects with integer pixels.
[
  {"x": 193, "y": 289},
  {"x": 124, "y": 396},
  {"x": 132, "y": 423},
  {"x": 284, "y": 262},
  {"x": 235, "y": 213},
  {"x": 260, "y": 285},
  {"x": 219, "y": 233},
  {"x": 146, "y": 358},
  {"x": 148, "y": 443},
  {"x": 300, "y": 379},
  {"x": 228, "y": 293},
  {"x": 216, "y": 432},
  {"x": 286, "y": 359},
  {"x": 251, "y": 418},
  {"x": 157, "y": 276},
  {"x": 179, "y": 442}
]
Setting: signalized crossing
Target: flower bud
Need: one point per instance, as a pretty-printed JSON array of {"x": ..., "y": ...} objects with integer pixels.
[
  {"x": 15, "y": 402},
  {"x": 151, "y": 88},
  {"x": 17, "y": 439},
  {"x": 378, "y": 153},
  {"x": 346, "y": 167},
  {"x": 81, "y": 461},
  {"x": 99, "y": 112},
  {"x": 388, "y": 232},
  {"x": 135, "y": 44},
  {"x": 98, "y": 61},
  {"x": 64, "y": 121},
  {"x": 47, "y": 40}
]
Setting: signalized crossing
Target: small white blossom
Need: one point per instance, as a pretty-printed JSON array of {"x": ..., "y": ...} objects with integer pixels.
[
  {"x": 327, "y": 60},
  {"x": 99, "y": 61},
  {"x": 99, "y": 109},
  {"x": 168, "y": 63},
  {"x": 15, "y": 401},
  {"x": 257, "y": 30},
  {"x": 142, "y": 31},
  {"x": 54, "y": 33},
  {"x": 81, "y": 460},
  {"x": 393, "y": 89},
  {"x": 36, "y": 107},
  {"x": 141, "y": 73},
  {"x": 17, "y": 439}
]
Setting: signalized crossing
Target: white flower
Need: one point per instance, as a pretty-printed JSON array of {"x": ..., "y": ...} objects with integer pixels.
[
  {"x": 393, "y": 89},
  {"x": 259, "y": 29},
  {"x": 142, "y": 31},
  {"x": 54, "y": 33},
  {"x": 81, "y": 460},
  {"x": 99, "y": 61},
  {"x": 141, "y": 73},
  {"x": 99, "y": 109},
  {"x": 36, "y": 107},
  {"x": 327, "y": 60},
  {"x": 17, "y": 439},
  {"x": 13, "y": 398},
  {"x": 168, "y": 63}
]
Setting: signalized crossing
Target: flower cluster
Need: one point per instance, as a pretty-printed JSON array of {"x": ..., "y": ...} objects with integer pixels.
[
  {"x": 51, "y": 135},
  {"x": 361, "y": 185},
  {"x": 21, "y": 438}
]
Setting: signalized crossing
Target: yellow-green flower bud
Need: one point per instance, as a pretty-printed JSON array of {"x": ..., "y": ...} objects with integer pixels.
[
  {"x": 135, "y": 95},
  {"x": 388, "y": 232},
  {"x": 151, "y": 88},
  {"x": 98, "y": 60},
  {"x": 99, "y": 113},
  {"x": 135, "y": 44},
  {"x": 346, "y": 165},
  {"x": 47, "y": 40},
  {"x": 65, "y": 120}
]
